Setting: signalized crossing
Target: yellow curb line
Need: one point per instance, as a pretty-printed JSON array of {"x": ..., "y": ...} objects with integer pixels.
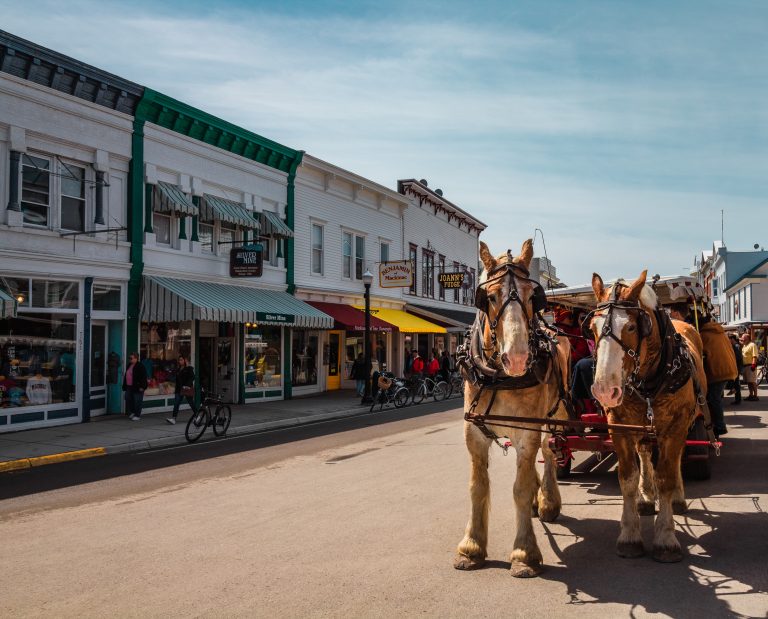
[{"x": 25, "y": 463}]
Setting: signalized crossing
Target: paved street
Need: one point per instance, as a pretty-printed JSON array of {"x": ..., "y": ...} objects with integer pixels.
[{"x": 360, "y": 518}]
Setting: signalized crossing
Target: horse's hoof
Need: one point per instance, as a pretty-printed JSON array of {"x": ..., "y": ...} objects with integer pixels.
[
  {"x": 679, "y": 508},
  {"x": 549, "y": 514},
  {"x": 462, "y": 562},
  {"x": 667, "y": 555},
  {"x": 630, "y": 550},
  {"x": 525, "y": 570},
  {"x": 646, "y": 508}
]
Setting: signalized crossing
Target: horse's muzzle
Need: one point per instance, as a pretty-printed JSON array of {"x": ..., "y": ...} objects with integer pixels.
[{"x": 514, "y": 365}]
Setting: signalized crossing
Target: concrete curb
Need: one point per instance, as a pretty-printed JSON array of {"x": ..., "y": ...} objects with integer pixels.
[{"x": 26, "y": 463}]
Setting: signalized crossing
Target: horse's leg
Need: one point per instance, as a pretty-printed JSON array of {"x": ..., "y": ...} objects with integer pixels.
[
  {"x": 548, "y": 500},
  {"x": 666, "y": 548},
  {"x": 473, "y": 548},
  {"x": 679, "y": 504},
  {"x": 630, "y": 542},
  {"x": 526, "y": 557},
  {"x": 646, "y": 502}
]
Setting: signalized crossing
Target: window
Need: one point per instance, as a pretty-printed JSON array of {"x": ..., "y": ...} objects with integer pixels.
[
  {"x": 72, "y": 198},
  {"x": 106, "y": 298},
  {"x": 384, "y": 251},
  {"x": 35, "y": 190},
  {"x": 160, "y": 346},
  {"x": 227, "y": 235},
  {"x": 359, "y": 256},
  {"x": 441, "y": 269},
  {"x": 427, "y": 273},
  {"x": 263, "y": 357},
  {"x": 714, "y": 287},
  {"x": 55, "y": 294},
  {"x": 346, "y": 255},
  {"x": 412, "y": 256},
  {"x": 304, "y": 361},
  {"x": 317, "y": 249},
  {"x": 456, "y": 290},
  {"x": 205, "y": 234},
  {"x": 266, "y": 247},
  {"x": 161, "y": 224}
]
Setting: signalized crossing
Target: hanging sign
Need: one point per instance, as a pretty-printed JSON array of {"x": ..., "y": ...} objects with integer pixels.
[
  {"x": 246, "y": 261},
  {"x": 396, "y": 274},
  {"x": 451, "y": 280}
]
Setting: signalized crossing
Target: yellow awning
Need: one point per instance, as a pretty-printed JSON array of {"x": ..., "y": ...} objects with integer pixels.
[{"x": 404, "y": 321}]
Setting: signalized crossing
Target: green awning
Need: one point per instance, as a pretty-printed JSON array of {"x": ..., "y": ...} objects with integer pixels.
[
  {"x": 228, "y": 210},
  {"x": 272, "y": 225},
  {"x": 7, "y": 305},
  {"x": 171, "y": 199},
  {"x": 165, "y": 299}
]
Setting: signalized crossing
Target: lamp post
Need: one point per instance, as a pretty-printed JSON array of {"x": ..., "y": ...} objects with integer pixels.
[{"x": 367, "y": 281}]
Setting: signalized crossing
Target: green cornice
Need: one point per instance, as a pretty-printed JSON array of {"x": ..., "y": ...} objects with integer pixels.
[{"x": 162, "y": 110}]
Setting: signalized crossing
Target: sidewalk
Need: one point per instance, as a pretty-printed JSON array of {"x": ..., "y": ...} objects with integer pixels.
[{"x": 117, "y": 433}]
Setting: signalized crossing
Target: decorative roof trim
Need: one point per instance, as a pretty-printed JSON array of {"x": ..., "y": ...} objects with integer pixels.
[{"x": 412, "y": 187}]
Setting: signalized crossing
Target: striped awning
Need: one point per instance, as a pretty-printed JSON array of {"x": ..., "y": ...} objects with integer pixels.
[
  {"x": 272, "y": 225},
  {"x": 228, "y": 210},
  {"x": 165, "y": 299},
  {"x": 171, "y": 199},
  {"x": 7, "y": 305}
]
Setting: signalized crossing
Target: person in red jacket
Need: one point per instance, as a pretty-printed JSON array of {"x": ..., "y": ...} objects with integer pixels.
[
  {"x": 417, "y": 367},
  {"x": 433, "y": 367}
]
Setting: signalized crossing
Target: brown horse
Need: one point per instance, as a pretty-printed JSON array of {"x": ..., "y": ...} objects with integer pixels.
[
  {"x": 508, "y": 326},
  {"x": 638, "y": 382}
]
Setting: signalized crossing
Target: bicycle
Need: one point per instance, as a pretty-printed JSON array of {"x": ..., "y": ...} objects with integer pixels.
[
  {"x": 456, "y": 384},
  {"x": 431, "y": 388},
  {"x": 391, "y": 391},
  {"x": 203, "y": 418}
]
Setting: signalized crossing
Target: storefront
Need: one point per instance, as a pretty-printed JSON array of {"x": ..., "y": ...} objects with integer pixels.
[
  {"x": 456, "y": 322},
  {"x": 241, "y": 340}
]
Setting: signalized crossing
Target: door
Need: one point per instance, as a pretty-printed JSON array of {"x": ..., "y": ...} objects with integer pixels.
[
  {"x": 98, "y": 390},
  {"x": 225, "y": 370},
  {"x": 334, "y": 360},
  {"x": 206, "y": 370}
]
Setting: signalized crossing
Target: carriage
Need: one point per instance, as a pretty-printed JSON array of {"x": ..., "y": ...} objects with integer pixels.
[{"x": 592, "y": 435}]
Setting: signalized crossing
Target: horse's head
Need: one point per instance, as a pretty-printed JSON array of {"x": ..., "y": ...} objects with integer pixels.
[
  {"x": 620, "y": 323},
  {"x": 510, "y": 300}
]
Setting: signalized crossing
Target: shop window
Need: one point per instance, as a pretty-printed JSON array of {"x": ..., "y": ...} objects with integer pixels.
[
  {"x": 35, "y": 190},
  {"x": 18, "y": 288},
  {"x": 354, "y": 346},
  {"x": 161, "y": 224},
  {"x": 106, "y": 298},
  {"x": 304, "y": 359},
  {"x": 161, "y": 344},
  {"x": 263, "y": 357},
  {"x": 38, "y": 359},
  {"x": 72, "y": 197},
  {"x": 205, "y": 234},
  {"x": 317, "y": 249},
  {"x": 55, "y": 294}
]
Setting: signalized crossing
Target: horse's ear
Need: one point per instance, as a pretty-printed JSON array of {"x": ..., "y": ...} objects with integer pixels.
[
  {"x": 526, "y": 254},
  {"x": 599, "y": 288},
  {"x": 489, "y": 262},
  {"x": 637, "y": 287}
]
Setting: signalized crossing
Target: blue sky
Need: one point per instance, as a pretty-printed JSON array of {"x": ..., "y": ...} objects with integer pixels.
[{"x": 619, "y": 128}]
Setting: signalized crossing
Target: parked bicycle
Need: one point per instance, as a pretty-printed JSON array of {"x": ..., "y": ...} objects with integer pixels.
[
  {"x": 199, "y": 421},
  {"x": 429, "y": 388},
  {"x": 391, "y": 391},
  {"x": 456, "y": 384}
]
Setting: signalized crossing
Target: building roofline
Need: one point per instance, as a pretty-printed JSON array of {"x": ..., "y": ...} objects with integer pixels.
[
  {"x": 437, "y": 198},
  {"x": 748, "y": 274}
]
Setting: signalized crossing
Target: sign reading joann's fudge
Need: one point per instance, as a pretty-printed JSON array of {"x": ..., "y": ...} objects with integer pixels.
[{"x": 246, "y": 261}]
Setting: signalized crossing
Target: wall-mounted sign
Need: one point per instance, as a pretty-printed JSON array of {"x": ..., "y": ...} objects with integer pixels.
[
  {"x": 274, "y": 317},
  {"x": 396, "y": 274},
  {"x": 451, "y": 280},
  {"x": 246, "y": 261}
]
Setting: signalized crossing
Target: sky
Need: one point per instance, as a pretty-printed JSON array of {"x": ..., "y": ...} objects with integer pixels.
[{"x": 627, "y": 132}]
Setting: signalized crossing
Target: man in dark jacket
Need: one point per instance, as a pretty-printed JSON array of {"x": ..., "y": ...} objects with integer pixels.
[
  {"x": 445, "y": 366},
  {"x": 134, "y": 385},
  {"x": 185, "y": 388},
  {"x": 736, "y": 382}
]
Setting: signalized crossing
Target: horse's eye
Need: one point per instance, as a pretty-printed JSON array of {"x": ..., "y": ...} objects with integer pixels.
[
  {"x": 631, "y": 328},
  {"x": 492, "y": 298}
]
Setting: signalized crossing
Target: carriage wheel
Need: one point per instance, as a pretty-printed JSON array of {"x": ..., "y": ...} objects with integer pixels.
[{"x": 699, "y": 469}]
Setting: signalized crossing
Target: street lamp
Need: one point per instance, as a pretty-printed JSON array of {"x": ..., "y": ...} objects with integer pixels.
[{"x": 367, "y": 281}]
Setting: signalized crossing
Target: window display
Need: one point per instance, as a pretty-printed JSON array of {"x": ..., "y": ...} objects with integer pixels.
[
  {"x": 263, "y": 358},
  {"x": 355, "y": 342},
  {"x": 38, "y": 359},
  {"x": 304, "y": 360},
  {"x": 161, "y": 345}
]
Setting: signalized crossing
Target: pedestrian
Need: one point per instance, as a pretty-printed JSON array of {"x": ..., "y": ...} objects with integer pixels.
[
  {"x": 719, "y": 366},
  {"x": 736, "y": 383},
  {"x": 134, "y": 384},
  {"x": 408, "y": 366},
  {"x": 445, "y": 366},
  {"x": 433, "y": 367},
  {"x": 185, "y": 388},
  {"x": 357, "y": 373},
  {"x": 748, "y": 369},
  {"x": 417, "y": 364}
]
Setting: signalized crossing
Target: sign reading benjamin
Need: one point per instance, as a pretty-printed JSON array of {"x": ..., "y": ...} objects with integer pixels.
[
  {"x": 396, "y": 274},
  {"x": 246, "y": 261},
  {"x": 451, "y": 280}
]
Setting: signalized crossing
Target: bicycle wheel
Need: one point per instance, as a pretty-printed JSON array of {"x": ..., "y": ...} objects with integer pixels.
[
  {"x": 420, "y": 394},
  {"x": 402, "y": 396},
  {"x": 440, "y": 392},
  {"x": 222, "y": 419},
  {"x": 197, "y": 424}
]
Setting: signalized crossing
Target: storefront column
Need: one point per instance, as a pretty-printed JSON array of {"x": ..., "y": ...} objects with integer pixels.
[
  {"x": 196, "y": 354},
  {"x": 241, "y": 364},
  {"x": 85, "y": 381},
  {"x": 13, "y": 182},
  {"x": 287, "y": 367}
]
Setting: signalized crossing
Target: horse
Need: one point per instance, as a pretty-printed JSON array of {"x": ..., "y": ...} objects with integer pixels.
[
  {"x": 648, "y": 372},
  {"x": 515, "y": 378}
]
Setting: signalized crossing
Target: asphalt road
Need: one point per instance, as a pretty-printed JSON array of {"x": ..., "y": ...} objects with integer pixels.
[{"x": 360, "y": 518}]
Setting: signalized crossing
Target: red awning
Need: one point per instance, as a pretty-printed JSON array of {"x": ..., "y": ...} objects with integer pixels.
[{"x": 347, "y": 318}]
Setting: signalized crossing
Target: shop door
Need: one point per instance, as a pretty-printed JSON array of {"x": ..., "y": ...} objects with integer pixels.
[
  {"x": 98, "y": 391},
  {"x": 334, "y": 360},
  {"x": 225, "y": 370},
  {"x": 206, "y": 370}
]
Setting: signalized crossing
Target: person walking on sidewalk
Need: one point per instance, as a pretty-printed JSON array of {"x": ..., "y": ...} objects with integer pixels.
[
  {"x": 357, "y": 373},
  {"x": 736, "y": 383},
  {"x": 749, "y": 354},
  {"x": 134, "y": 384},
  {"x": 185, "y": 388}
]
